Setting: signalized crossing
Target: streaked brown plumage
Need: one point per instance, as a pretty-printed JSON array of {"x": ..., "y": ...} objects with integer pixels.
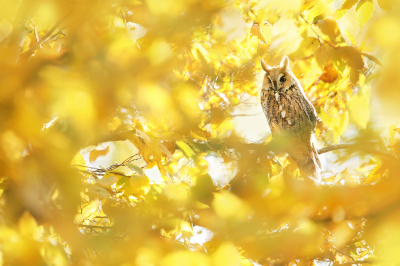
[{"x": 291, "y": 116}]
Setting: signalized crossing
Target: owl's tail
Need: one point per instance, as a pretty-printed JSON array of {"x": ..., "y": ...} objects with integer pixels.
[{"x": 308, "y": 161}]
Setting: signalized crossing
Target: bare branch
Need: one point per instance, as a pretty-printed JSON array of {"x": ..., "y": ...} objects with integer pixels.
[
  {"x": 335, "y": 147},
  {"x": 352, "y": 146}
]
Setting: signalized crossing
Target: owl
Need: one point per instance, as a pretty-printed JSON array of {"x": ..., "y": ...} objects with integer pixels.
[{"x": 291, "y": 116}]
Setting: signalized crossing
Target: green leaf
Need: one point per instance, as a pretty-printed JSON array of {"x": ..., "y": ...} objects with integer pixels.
[
  {"x": 187, "y": 151},
  {"x": 107, "y": 180},
  {"x": 364, "y": 11},
  {"x": 122, "y": 181},
  {"x": 135, "y": 168}
]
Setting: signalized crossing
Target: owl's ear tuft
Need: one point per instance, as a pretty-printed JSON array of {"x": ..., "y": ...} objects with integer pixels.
[
  {"x": 284, "y": 63},
  {"x": 265, "y": 66}
]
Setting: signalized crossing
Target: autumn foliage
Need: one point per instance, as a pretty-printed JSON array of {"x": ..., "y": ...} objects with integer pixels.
[{"x": 122, "y": 141}]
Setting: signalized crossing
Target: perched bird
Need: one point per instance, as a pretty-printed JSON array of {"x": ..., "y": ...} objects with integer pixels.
[{"x": 291, "y": 116}]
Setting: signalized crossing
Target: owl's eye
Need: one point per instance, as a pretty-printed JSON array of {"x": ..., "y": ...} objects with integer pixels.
[{"x": 282, "y": 79}]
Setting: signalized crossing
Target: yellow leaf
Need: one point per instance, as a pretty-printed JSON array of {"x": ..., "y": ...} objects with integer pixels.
[
  {"x": 226, "y": 255},
  {"x": 228, "y": 205},
  {"x": 114, "y": 124},
  {"x": 29, "y": 227},
  {"x": 145, "y": 137},
  {"x": 335, "y": 57},
  {"x": 386, "y": 32},
  {"x": 354, "y": 76},
  {"x": 96, "y": 153},
  {"x": 317, "y": 10},
  {"x": 338, "y": 123},
  {"x": 329, "y": 75},
  {"x": 351, "y": 57},
  {"x": 386, "y": 4},
  {"x": 5, "y": 29},
  {"x": 306, "y": 48},
  {"x": 266, "y": 32},
  {"x": 359, "y": 110},
  {"x": 159, "y": 51},
  {"x": 375, "y": 174},
  {"x": 176, "y": 192},
  {"x": 255, "y": 30},
  {"x": 321, "y": 56},
  {"x": 87, "y": 211},
  {"x": 186, "y": 229},
  {"x": 347, "y": 4},
  {"x": 245, "y": 261},
  {"x": 140, "y": 185},
  {"x": 12, "y": 145},
  {"x": 364, "y": 11},
  {"x": 187, "y": 258},
  {"x": 197, "y": 133},
  {"x": 79, "y": 162},
  {"x": 330, "y": 28}
]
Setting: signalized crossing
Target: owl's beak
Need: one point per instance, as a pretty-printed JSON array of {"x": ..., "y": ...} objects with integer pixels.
[{"x": 275, "y": 85}]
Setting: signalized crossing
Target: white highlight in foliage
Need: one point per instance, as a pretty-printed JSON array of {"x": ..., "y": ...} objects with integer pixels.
[
  {"x": 135, "y": 31},
  {"x": 283, "y": 114},
  {"x": 233, "y": 25}
]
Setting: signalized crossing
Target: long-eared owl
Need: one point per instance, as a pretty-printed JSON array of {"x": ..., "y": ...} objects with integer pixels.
[{"x": 291, "y": 116}]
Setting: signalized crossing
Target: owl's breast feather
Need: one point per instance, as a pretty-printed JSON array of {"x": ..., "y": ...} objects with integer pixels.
[{"x": 286, "y": 113}]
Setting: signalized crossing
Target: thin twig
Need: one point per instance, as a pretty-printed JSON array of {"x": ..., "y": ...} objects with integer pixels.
[
  {"x": 350, "y": 146},
  {"x": 61, "y": 31},
  {"x": 318, "y": 37},
  {"x": 44, "y": 38},
  {"x": 335, "y": 147},
  {"x": 35, "y": 30}
]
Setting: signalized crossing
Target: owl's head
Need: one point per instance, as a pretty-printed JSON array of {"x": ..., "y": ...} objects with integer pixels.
[{"x": 278, "y": 78}]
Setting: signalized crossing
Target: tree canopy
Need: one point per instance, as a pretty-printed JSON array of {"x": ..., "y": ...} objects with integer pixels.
[{"x": 124, "y": 138}]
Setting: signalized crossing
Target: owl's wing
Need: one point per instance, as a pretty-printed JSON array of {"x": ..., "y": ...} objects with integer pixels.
[{"x": 312, "y": 114}]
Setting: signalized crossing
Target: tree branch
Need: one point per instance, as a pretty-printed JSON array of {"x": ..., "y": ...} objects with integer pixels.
[
  {"x": 352, "y": 146},
  {"x": 335, "y": 147},
  {"x": 253, "y": 146}
]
